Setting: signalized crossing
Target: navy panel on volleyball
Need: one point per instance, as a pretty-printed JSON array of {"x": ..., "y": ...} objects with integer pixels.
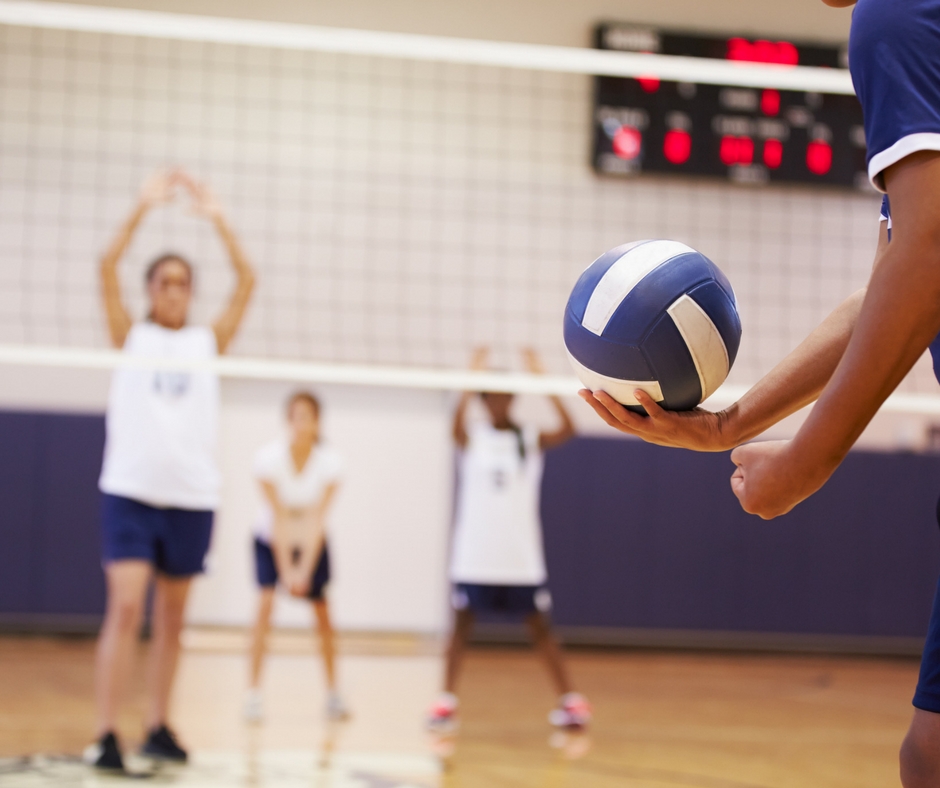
[{"x": 656, "y": 316}]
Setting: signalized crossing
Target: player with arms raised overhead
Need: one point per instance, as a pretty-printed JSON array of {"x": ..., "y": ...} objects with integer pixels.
[
  {"x": 862, "y": 351},
  {"x": 160, "y": 480},
  {"x": 497, "y": 563}
]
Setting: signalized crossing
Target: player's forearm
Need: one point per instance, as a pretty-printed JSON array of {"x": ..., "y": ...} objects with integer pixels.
[
  {"x": 797, "y": 380},
  {"x": 311, "y": 547},
  {"x": 122, "y": 239},
  {"x": 119, "y": 321},
  {"x": 281, "y": 550},
  {"x": 566, "y": 423},
  {"x": 458, "y": 428},
  {"x": 236, "y": 254},
  {"x": 564, "y": 433},
  {"x": 897, "y": 322}
]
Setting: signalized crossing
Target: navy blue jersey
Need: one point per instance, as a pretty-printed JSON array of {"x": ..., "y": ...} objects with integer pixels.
[
  {"x": 894, "y": 57},
  {"x": 935, "y": 345}
]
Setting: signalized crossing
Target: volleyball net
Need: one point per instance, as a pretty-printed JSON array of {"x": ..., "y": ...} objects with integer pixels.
[{"x": 403, "y": 199}]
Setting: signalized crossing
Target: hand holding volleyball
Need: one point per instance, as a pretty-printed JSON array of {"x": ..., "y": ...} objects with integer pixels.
[{"x": 697, "y": 429}]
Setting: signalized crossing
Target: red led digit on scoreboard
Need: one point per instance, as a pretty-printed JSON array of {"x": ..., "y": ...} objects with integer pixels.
[
  {"x": 773, "y": 153},
  {"x": 770, "y": 102},
  {"x": 677, "y": 146},
  {"x": 780, "y": 52},
  {"x": 736, "y": 150},
  {"x": 627, "y": 142},
  {"x": 819, "y": 157}
]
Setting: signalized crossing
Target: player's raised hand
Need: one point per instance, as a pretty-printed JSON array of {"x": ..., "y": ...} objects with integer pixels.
[
  {"x": 769, "y": 479},
  {"x": 479, "y": 361},
  {"x": 204, "y": 201},
  {"x": 700, "y": 430},
  {"x": 159, "y": 188},
  {"x": 532, "y": 361}
]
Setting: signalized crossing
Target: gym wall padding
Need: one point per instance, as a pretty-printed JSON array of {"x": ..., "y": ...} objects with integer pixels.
[
  {"x": 50, "y": 566},
  {"x": 640, "y": 537},
  {"x": 645, "y": 545}
]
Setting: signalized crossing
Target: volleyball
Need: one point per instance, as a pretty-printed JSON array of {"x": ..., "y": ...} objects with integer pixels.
[{"x": 653, "y": 315}]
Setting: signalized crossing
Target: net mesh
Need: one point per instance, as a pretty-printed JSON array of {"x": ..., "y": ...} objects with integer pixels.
[{"x": 398, "y": 212}]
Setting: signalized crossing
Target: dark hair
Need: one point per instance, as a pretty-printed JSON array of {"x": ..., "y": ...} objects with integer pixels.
[
  {"x": 303, "y": 396},
  {"x": 166, "y": 257},
  {"x": 515, "y": 428}
]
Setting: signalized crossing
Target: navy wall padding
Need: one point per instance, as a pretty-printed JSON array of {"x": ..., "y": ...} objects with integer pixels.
[
  {"x": 640, "y": 536},
  {"x": 50, "y": 560},
  {"x": 636, "y": 536}
]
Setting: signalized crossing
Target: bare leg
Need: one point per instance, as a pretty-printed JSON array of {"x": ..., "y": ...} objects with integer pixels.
[
  {"x": 455, "y": 649},
  {"x": 327, "y": 646},
  {"x": 547, "y": 646},
  {"x": 169, "y": 603},
  {"x": 920, "y": 752},
  {"x": 127, "y": 585},
  {"x": 259, "y": 636}
]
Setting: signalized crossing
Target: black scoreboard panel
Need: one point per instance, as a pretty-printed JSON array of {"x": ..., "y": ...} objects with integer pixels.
[{"x": 743, "y": 134}]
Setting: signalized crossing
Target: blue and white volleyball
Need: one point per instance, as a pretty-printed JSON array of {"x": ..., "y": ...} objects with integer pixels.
[{"x": 656, "y": 316}]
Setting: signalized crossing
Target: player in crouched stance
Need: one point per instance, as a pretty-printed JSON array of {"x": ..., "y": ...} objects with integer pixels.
[
  {"x": 497, "y": 564},
  {"x": 299, "y": 478}
]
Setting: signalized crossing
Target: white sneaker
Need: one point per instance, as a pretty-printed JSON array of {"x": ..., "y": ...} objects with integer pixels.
[
  {"x": 573, "y": 712},
  {"x": 254, "y": 707},
  {"x": 336, "y": 710}
]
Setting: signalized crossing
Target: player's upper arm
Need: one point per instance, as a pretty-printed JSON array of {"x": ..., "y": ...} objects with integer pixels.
[
  {"x": 228, "y": 322},
  {"x": 329, "y": 494},
  {"x": 119, "y": 319},
  {"x": 551, "y": 440},
  {"x": 270, "y": 493}
]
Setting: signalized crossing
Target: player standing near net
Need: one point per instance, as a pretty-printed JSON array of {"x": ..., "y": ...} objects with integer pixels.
[
  {"x": 498, "y": 563},
  {"x": 299, "y": 478},
  {"x": 863, "y": 350},
  {"x": 160, "y": 480}
]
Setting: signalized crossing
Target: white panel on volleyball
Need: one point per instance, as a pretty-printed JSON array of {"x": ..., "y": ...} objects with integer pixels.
[
  {"x": 704, "y": 342},
  {"x": 639, "y": 260},
  {"x": 620, "y": 390}
]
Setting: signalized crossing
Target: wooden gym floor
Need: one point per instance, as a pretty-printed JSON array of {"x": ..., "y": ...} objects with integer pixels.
[{"x": 662, "y": 719}]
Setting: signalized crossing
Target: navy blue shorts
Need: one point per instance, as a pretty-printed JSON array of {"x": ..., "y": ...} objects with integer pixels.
[
  {"x": 927, "y": 694},
  {"x": 175, "y": 541},
  {"x": 509, "y": 600},
  {"x": 266, "y": 569}
]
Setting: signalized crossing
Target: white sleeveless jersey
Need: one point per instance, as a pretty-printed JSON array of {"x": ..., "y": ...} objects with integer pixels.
[
  {"x": 161, "y": 423},
  {"x": 498, "y": 532},
  {"x": 295, "y": 489}
]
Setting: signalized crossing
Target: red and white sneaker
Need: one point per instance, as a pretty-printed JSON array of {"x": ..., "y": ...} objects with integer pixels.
[
  {"x": 442, "y": 716},
  {"x": 573, "y": 712}
]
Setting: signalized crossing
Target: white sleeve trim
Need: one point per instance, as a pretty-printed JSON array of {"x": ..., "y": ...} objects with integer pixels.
[{"x": 901, "y": 149}]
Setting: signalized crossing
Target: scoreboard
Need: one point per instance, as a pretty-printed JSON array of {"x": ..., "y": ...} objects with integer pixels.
[{"x": 746, "y": 135}]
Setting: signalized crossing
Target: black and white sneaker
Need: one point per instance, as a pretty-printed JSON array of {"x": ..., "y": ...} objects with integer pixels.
[
  {"x": 105, "y": 754},
  {"x": 161, "y": 745}
]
